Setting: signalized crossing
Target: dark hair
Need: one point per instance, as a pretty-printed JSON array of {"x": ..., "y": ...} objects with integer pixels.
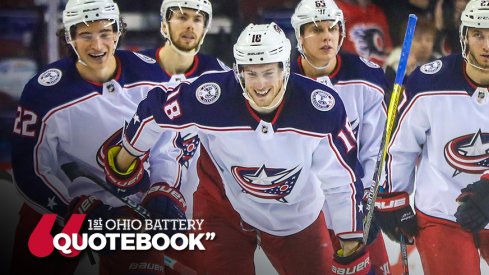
[
  {"x": 424, "y": 25},
  {"x": 61, "y": 33}
]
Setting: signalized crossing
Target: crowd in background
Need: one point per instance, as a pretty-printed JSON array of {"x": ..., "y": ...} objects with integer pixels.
[{"x": 374, "y": 29}]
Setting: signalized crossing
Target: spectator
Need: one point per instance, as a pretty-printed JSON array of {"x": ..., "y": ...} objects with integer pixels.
[
  {"x": 397, "y": 11},
  {"x": 447, "y": 19},
  {"x": 367, "y": 31},
  {"x": 421, "y": 51}
]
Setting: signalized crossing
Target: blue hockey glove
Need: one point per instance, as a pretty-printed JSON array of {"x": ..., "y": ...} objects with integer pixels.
[
  {"x": 473, "y": 211},
  {"x": 165, "y": 202}
]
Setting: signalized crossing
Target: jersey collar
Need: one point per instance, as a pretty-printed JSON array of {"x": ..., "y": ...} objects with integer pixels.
[{"x": 257, "y": 118}]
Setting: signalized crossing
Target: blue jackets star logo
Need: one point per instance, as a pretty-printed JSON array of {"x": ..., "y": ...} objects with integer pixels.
[
  {"x": 469, "y": 153},
  {"x": 267, "y": 183}
]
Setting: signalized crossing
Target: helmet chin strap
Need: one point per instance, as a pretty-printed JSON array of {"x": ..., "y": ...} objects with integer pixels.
[
  {"x": 468, "y": 60},
  {"x": 275, "y": 102},
  {"x": 303, "y": 54},
  {"x": 301, "y": 50},
  {"x": 172, "y": 45},
  {"x": 118, "y": 35},
  {"x": 83, "y": 62},
  {"x": 267, "y": 109},
  {"x": 193, "y": 51},
  {"x": 466, "y": 53},
  {"x": 78, "y": 55}
]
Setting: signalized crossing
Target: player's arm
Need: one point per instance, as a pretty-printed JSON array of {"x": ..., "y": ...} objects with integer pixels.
[
  {"x": 338, "y": 169},
  {"x": 123, "y": 163},
  {"x": 169, "y": 155},
  {"x": 393, "y": 212},
  {"x": 35, "y": 161},
  {"x": 142, "y": 134},
  {"x": 339, "y": 174},
  {"x": 370, "y": 136},
  {"x": 123, "y": 160},
  {"x": 406, "y": 146}
]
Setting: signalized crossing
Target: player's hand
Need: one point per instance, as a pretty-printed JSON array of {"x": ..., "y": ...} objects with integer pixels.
[
  {"x": 165, "y": 202},
  {"x": 396, "y": 218},
  {"x": 134, "y": 179},
  {"x": 93, "y": 208},
  {"x": 473, "y": 211},
  {"x": 98, "y": 212},
  {"x": 355, "y": 261}
]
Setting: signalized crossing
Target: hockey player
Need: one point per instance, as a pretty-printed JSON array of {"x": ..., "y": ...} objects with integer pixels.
[
  {"x": 184, "y": 25},
  {"x": 65, "y": 113},
  {"x": 273, "y": 150},
  {"x": 441, "y": 144},
  {"x": 320, "y": 30}
]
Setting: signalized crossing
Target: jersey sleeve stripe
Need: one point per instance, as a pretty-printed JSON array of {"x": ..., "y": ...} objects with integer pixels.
[
  {"x": 131, "y": 142},
  {"x": 360, "y": 82},
  {"x": 352, "y": 179}
]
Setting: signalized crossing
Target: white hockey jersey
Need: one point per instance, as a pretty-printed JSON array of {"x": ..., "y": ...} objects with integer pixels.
[
  {"x": 187, "y": 141},
  {"x": 63, "y": 118},
  {"x": 276, "y": 174},
  {"x": 361, "y": 85},
  {"x": 444, "y": 126}
]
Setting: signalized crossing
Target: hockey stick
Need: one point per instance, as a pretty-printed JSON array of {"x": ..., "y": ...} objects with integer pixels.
[
  {"x": 389, "y": 125},
  {"x": 73, "y": 170}
]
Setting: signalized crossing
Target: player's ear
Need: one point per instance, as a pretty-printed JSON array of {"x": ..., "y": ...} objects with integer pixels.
[
  {"x": 117, "y": 36},
  {"x": 164, "y": 28},
  {"x": 301, "y": 39}
]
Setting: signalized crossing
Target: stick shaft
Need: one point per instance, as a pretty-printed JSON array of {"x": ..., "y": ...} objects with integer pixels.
[
  {"x": 389, "y": 124},
  {"x": 73, "y": 170}
]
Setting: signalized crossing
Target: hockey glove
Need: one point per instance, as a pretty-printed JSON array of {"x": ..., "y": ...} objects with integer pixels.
[
  {"x": 134, "y": 180},
  {"x": 473, "y": 211},
  {"x": 356, "y": 263},
  {"x": 93, "y": 208},
  {"x": 98, "y": 212},
  {"x": 395, "y": 216},
  {"x": 165, "y": 202}
]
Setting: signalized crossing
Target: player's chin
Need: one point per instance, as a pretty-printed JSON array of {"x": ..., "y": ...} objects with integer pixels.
[
  {"x": 484, "y": 64},
  {"x": 263, "y": 101},
  {"x": 186, "y": 47}
]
